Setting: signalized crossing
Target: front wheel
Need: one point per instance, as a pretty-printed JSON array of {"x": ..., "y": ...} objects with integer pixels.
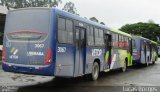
[{"x": 95, "y": 71}]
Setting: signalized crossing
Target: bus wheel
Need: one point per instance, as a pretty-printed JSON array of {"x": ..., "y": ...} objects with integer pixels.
[
  {"x": 124, "y": 68},
  {"x": 95, "y": 71},
  {"x": 153, "y": 62},
  {"x": 147, "y": 63}
]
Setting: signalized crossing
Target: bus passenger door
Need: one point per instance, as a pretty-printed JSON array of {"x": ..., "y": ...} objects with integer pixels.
[
  {"x": 80, "y": 51},
  {"x": 130, "y": 57},
  {"x": 107, "y": 39}
]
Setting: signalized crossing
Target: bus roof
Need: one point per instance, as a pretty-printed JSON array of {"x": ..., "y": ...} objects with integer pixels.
[
  {"x": 120, "y": 32},
  {"x": 69, "y": 15},
  {"x": 153, "y": 42},
  {"x": 81, "y": 19}
]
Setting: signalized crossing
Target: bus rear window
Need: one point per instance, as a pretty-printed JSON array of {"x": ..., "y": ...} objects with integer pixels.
[
  {"x": 26, "y": 36},
  {"x": 28, "y": 24}
]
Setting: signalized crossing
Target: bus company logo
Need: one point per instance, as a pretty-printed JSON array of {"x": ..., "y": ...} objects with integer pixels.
[
  {"x": 96, "y": 52},
  {"x": 14, "y": 51}
]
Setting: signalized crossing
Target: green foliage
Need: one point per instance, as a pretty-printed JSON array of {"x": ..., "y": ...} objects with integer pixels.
[
  {"x": 29, "y": 3},
  {"x": 147, "y": 30},
  {"x": 94, "y": 19},
  {"x": 70, "y": 7}
]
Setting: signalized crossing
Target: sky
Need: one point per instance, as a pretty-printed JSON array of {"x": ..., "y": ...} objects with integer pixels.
[{"x": 116, "y": 13}]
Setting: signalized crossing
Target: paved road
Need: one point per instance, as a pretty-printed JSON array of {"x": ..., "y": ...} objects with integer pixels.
[
  {"x": 114, "y": 80},
  {"x": 16, "y": 79}
]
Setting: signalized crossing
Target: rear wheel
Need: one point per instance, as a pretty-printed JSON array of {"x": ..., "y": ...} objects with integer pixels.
[
  {"x": 154, "y": 61},
  {"x": 95, "y": 71},
  {"x": 124, "y": 68},
  {"x": 147, "y": 63}
]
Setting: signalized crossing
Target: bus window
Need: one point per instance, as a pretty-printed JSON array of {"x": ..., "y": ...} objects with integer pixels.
[
  {"x": 113, "y": 40},
  {"x": 25, "y": 29},
  {"x": 96, "y": 36},
  {"x": 116, "y": 41},
  {"x": 69, "y": 29},
  {"x": 90, "y": 37},
  {"x": 99, "y": 40},
  {"x": 65, "y": 30},
  {"x": 142, "y": 45},
  {"x": 133, "y": 44},
  {"x": 120, "y": 41},
  {"x": 101, "y": 37}
]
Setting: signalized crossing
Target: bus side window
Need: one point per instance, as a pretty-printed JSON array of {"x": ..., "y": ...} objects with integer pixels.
[
  {"x": 133, "y": 44},
  {"x": 116, "y": 41},
  {"x": 113, "y": 39},
  {"x": 142, "y": 45},
  {"x": 90, "y": 36},
  {"x": 120, "y": 41},
  {"x": 69, "y": 29},
  {"x": 96, "y": 36},
  {"x": 99, "y": 39},
  {"x": 65, "y": 30}
]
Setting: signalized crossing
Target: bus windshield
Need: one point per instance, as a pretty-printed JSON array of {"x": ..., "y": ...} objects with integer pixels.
[{"x": 28, "y": 24}]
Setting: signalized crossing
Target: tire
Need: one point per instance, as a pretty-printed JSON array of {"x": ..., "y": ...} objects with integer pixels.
[
  {"x": 147, "y": 63},
  {"x": 154, "y": 61},
  {"x": 95, "y": 71},
  {"x": 123, "y": 69}
]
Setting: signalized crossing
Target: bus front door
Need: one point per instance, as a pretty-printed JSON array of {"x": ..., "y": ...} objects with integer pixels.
[{"x": 80, "y": 51}]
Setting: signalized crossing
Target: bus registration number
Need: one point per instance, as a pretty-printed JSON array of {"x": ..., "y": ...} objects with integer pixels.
[{"x": 61, "y": 49}]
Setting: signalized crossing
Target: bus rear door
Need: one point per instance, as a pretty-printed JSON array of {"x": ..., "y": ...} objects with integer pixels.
[
  {"x": 107, "y": 39},
  {"x": 80, "y": 51}
]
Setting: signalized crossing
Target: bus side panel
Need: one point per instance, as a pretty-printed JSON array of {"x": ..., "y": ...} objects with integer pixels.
[
  {"x": 93, "y": 54},
  {"x": 122, "y": 55},
  {"x": 115, "y": 59},
  {"x": 65, "y": 60}
]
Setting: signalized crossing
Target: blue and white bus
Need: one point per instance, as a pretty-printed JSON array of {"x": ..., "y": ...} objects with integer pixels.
[
  {"x": 52, "y": 42},
  {"x": 144, "y": 51}
]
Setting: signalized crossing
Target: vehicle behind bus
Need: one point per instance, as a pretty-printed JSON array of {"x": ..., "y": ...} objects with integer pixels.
[{"x": 145, "y": 51}]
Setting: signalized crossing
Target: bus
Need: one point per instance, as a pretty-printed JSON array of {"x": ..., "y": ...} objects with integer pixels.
[
  {"x": 52, "y": 42},
  {"x": 144, "y": 51},
  {"x": 158, "y": 50}
]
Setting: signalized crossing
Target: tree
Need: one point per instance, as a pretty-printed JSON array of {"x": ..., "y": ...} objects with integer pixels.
[
  {"x": 70, "y": 7},
  {"x": 147, "y": 30},
  {"x": 151, "y": 21},
  {"x": 29, "y": 3},
  {"x": 94, "y": 19},
  {"x": 102, "y": 23}
]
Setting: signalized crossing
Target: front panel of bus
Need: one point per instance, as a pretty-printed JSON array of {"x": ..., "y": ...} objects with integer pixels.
[{"x": 27, "y": 46}]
